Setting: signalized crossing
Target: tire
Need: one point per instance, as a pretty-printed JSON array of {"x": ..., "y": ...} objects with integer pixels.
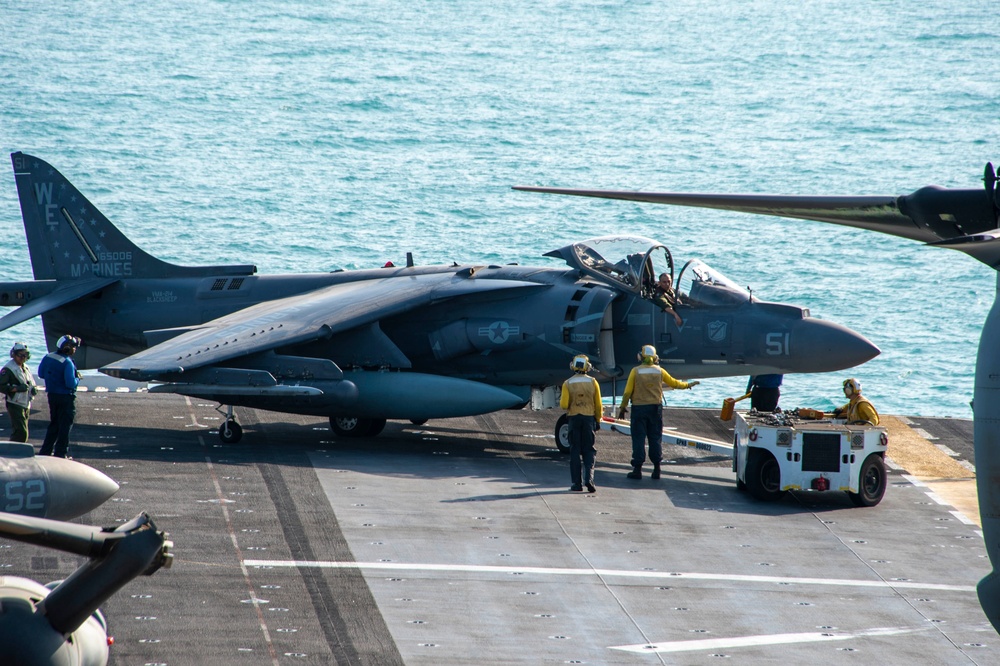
[
  {"x": 418, "y": 422},
  {"x": 352, "y": 426},
  {"x": 562, "y": 434},
  {"x": 872, "y": 482},
  {"x": 230, "y": 432},
  {"x": 375, "y": 427},
  {"x": 763, "y": 476}
]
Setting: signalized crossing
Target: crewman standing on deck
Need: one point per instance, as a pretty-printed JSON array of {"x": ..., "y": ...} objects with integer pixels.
[
  {"x": 581, "y": 398},
  {"x": 645, "y": 389},
  {"x": 61, "y": 379},
  {"x": 18, "y": 386}
]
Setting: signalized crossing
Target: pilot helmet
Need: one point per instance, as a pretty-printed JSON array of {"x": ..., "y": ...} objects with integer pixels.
[
  {"x": 852, "y": 387},
  {"x": 67, "y": 341},
  {"x": 580, "y": 363},
  {"x": 20, "y": 347},
  {"x": 648, "y": 352}
]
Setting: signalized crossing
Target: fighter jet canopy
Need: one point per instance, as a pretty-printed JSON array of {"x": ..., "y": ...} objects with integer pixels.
[{"x": 630, "y": 262}]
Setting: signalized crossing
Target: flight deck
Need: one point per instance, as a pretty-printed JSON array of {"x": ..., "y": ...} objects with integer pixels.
[{"x": 456, "y": 542}]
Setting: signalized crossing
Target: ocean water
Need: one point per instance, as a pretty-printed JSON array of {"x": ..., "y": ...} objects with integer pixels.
[{"x": 305, "y": 136}]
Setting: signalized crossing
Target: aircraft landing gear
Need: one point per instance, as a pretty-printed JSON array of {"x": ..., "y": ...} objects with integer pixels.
[
  {"x": 562, "y": 434},
  {"x": 352, "y": 426},
  {"x": 230, "y": 431}
]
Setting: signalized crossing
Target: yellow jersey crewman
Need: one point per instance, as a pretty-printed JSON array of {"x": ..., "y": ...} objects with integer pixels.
[
  {"x": 645, "y": 390},
  {"x": 860, "y": 409},
  {"x": 581, "y": 398}
]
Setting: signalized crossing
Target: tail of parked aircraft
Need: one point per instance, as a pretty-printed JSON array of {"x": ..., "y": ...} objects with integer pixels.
[
  {"x": 75, "y": 250},
  {"x": 69, "y": 238}
]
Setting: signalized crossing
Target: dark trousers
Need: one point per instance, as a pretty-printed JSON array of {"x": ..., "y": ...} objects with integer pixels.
[
  {"x": 764, "y": 399},
  {"x": 18, "y": 422},
  {"x": 62, "y": 411},
  {"x": 647, "y": 424},
  {"x": 582, "y": 453}
]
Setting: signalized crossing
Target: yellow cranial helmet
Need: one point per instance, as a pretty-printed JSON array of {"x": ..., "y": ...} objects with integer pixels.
[
  {"x": 648, "y": 354},
  {"x": 852, "y": 386},
  {"x": 580, "y": 363}
]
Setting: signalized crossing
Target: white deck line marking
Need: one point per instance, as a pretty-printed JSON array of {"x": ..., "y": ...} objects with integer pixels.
[
  {"x": 937, "y": 498},
  {"x": 554, "y": 571},
  {"x": 756, "y": 641},
  {"x": 961, "y": 517}
]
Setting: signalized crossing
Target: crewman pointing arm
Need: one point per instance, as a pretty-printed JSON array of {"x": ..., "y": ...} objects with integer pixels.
[{"x": 645, "y": 390}]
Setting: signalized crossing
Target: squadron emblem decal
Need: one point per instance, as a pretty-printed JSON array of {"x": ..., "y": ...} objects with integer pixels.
[{"x": 718, "y": 331}]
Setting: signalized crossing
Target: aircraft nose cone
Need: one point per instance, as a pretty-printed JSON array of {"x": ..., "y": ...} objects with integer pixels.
[
  {"x": 823, "y": 346},
  {"x": 74, "y": 488}
]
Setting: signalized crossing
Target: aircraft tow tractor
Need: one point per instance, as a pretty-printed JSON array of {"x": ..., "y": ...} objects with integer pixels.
[
  {"x": 795, "y": 450},
  {"x": 781, "y": 451}
]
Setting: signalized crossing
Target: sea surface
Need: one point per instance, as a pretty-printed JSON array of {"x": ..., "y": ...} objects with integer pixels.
[{"x": 308, "y": 136}]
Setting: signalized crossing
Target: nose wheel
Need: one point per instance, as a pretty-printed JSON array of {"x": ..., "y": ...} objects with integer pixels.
[{"x": 230, "y": 431}]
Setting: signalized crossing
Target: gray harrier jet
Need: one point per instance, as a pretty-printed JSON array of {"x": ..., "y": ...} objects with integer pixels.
[
  {"x": 409, "y": 342},
  {"x": 961, "y": 219}
]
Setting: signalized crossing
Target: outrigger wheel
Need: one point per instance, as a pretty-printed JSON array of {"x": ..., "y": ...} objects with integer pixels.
[{"x": 230, "y": 431}]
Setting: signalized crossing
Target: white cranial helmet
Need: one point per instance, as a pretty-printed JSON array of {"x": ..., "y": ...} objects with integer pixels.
[{"x": 580, "y": 363}]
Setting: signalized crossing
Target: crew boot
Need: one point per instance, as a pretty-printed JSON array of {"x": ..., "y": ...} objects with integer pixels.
[
  {"x": 636, "y": 473},
  {"x": 656, "y": 471}
]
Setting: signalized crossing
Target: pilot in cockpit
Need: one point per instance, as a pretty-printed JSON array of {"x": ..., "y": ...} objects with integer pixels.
[{"x": 666, "y": 298}]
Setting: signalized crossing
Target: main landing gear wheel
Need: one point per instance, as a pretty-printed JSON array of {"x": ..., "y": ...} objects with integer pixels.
[
  {"x": 230, "y": 432},
  {"x": 763, "y": 476},
  {"x": 871, "y": 482},
  {"x": 352, "y": 426},
  {"x": 562, "y": 434}
]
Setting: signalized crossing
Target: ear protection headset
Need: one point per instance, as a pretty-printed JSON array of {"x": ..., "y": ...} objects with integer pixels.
[
  {"x": 853, "y": 384},
  {"x": 648, "y": 352}
]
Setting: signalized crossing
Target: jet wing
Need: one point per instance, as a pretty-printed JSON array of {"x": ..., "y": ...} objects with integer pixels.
[
  {"x": 301, "y": 318},
  {"x": 930, "y": 214},
  {"x": 61, "y": 295}
]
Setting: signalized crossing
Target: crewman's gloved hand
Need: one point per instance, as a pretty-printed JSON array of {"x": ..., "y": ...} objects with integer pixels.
[
  {"x": 34, "y": 391},
  {"x": 621, "y": 414},
  {"x": 693, "y": 384},
  {"x": 78, "y": 375},
  {"x": 597, "y": 425}
]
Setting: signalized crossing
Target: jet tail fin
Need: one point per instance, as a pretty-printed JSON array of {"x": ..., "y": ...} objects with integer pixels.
[{"x": 69, "y": 238}]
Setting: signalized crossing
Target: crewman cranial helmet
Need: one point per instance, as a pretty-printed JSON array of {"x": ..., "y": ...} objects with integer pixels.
[
  {"x": 67, "y": 341},
  {"x": 851, "y": 387},
  {"x": 580, "y": 363},
  {"x": 20, "y": 347},
  {"x": 648, "y": 354}
]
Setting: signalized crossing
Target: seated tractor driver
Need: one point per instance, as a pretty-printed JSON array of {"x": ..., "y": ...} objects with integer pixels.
[
  {"x": 666, "y": 298},
  {"x": 860, "y": 410}
]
